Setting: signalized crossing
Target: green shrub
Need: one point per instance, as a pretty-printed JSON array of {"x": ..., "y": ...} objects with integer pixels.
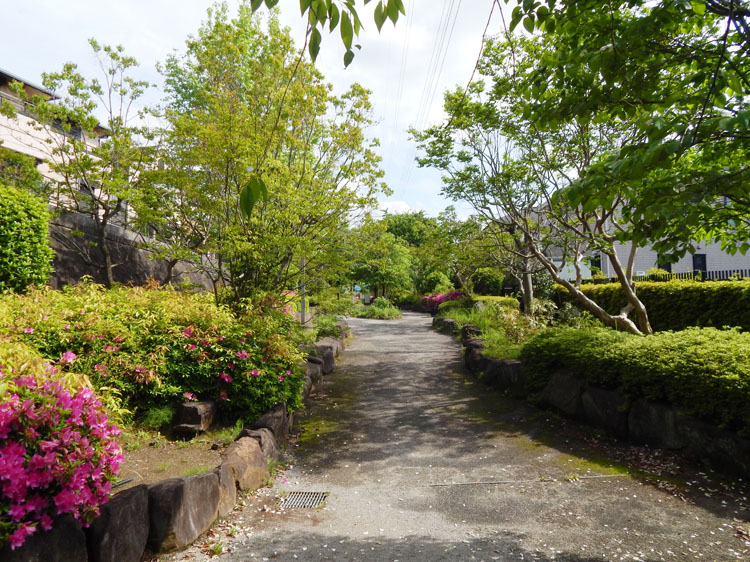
[
  {"x": 509, "y": 302},
  {"x": 25, "y": 254},
  {"x": 380, "y": 309},
  {"x": 676, "y": 305},
  {"x": 487, "y": 281},
  {"x": 705, "y": 372},
  {"x": 435, "y": 282},
  {"x": 326, "y": 325},
  {"x": 157, "y": 347},
  {"x": 464, "y": 302}
]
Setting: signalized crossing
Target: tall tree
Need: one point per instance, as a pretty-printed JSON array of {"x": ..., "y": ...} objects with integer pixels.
[
  {"x": 679, "y": 71},
  {"x": 520, "y": 177},
  {"x": 97, "y": 169},
  {"x": 244, "y": 104}
]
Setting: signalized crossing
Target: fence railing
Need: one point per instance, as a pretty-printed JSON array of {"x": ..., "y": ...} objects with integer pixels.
[{"x": 724, "y": 275}]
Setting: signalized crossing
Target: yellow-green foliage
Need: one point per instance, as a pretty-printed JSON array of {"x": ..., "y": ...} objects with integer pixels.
[
  {"x": 703, "y": 371},
  {"x": 675, "y": 305},
  {"x": 508, "y": 302},
  {"x": 154, "y": 347}
]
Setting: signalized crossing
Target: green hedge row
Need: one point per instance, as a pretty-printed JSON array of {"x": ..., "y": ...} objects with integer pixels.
[
  {"x": 705, "y": 372},
  {"x": 676, "y": 305},
  {"x": 25, "y": 254}
]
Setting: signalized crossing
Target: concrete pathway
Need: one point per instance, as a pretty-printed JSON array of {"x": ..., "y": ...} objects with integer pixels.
[{"x": 424, "y": 464}]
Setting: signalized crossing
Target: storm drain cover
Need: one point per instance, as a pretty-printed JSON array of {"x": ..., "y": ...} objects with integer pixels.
[{"x": 304, "y": 499}]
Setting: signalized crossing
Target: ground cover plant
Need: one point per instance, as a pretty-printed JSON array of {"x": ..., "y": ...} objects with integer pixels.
[
  {"x": 58, "y": 450},
  {"x": 504, "y": 328},
  {"x": 380, "y": 309},
  {"x": 152, "y": 347},
  {"x": 705, "y": 372}
]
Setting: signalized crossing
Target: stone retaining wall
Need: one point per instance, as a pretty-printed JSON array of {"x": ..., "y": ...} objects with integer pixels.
[
  {"x": 171, "y": 514},
  {"x": 639, "y": 421}
]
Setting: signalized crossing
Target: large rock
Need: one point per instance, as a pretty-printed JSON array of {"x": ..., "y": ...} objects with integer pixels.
[
  {"x": 470, "y": 331},
  {"x": 475, "y": 360},
  {"x": 314, "y": 371},
  {"x": 195, "y": 417},
  {"x": 333, "y": 343},
  {"x": 266, "y": 440},
  {"x": 65, "y": 542},
  {"x": 278, "y": 420},
  {"x": 327, "y": 357},
  {"x": 120, "y": 532},
  {"x": 307, "y": 388},
  {"x": 563, "y": 393},
  {"x": 245, "y": 459},
  {"x": 346, "y": 331},
  {"x": 726, "y": 450},
  {"x": 654, "y": 424},
  {"x": 607, "y": 409},
  {"x": 474, "y": 343},
  {"x": 504, "y": 374},
  {"x": 181, "y": 509},
  {"x": 227, "y": 489}
]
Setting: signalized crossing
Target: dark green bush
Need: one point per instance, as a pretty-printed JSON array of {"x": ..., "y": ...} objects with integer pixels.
[
  {"x": 705, "y": 372},
  {"x": 676, "y": 305},
  {"x": 435, "y": 282},
  {"x": 487, "y": 281},
  {"x": 25, "y": 254}
]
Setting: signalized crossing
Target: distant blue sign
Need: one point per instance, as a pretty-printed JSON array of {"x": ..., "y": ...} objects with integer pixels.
[{"x": 357, "y": 288}]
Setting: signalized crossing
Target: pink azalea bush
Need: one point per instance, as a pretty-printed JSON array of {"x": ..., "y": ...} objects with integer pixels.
[
  {"x": 58, "y": 453},
  {"x": 149, "y": 347},
  {"x": 434, "y": 300}
]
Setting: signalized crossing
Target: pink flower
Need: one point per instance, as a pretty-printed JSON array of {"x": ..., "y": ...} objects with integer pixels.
[
  {"x": 230, "y": 365},
  {"x": 223, "y": 395},
  {"x": 265, "y": 360},
  {"x": 67, "y": 357},
  {"x": 44, "y": 316},
  {"x": 190, "y": 396},
  {"x": 187, "y": 332},
  {"x": 254, "y": 372},
  {"x": 191, "y": 347},
  {"x": 19, "y": 536},
  {"x": 66, "y": 327},
  {"x": 118, "y": 339},
  {"x": 28, "y": 330},
  {"x": 243, "y": 355},
  {"x": 281, "y": 378},
  {"x": 288, "y": 372},
  {"x": 111, "y": 348},
  {"x": 82, "y": 312},
  {"x": 225, "y": 377},
  {"x": 220, "y": 338},
  {"x": 101, "y": 369}
]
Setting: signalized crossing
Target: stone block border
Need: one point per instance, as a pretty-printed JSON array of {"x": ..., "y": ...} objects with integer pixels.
[
  {"x": 171, "y": 514},
  {"x": 638, "y": 421}
]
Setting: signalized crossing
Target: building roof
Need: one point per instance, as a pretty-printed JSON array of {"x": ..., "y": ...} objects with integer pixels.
[{"x": 37, "y": 89}]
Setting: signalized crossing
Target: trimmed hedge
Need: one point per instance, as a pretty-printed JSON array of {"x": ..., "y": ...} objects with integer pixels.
[
  {"x": 705, "y": 372},
  {"x": 508, "y": 302},
  {"x": 676, "y": 305},
  {"x": 25, "y": 254}
]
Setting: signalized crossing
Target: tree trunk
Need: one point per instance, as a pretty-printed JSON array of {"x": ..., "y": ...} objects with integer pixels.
[{"x": 527, "y": 291}]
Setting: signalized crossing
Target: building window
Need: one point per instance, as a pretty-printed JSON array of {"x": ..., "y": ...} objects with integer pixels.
[
  {"x": 662, "y": 262},
  {"x": 699, "y": 263}
]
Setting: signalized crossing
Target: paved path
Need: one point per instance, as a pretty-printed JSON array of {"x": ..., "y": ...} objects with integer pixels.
[{"x": 402, "y": 441}]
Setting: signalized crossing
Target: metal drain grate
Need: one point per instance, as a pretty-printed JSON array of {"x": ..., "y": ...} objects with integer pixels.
[{"x": 304, "y": 499}]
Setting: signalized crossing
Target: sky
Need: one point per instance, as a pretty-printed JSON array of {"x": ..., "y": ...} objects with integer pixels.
[{"x": 407, "y": 66}]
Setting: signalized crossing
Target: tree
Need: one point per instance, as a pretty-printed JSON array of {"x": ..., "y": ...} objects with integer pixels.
[
  {"x": 96, "y": 169},
  {"x": 382, "y": 262},
  {"x": 679, "y": 71},
  {"x": 243, "y": 105},
  {"x": 19, "y": 170},
  {"x": 520, "y": 177}
]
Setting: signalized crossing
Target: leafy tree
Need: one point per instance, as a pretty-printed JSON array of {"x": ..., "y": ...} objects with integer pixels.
[
  {"x": 96, "y": 169},
  {"x": 383, "y": 263},
  {"x": 243, "y": 105},
  {"x": 679, "y": 72},
  {"x": 519, "y": 177},
  {"x": 19, "y": 170}
]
